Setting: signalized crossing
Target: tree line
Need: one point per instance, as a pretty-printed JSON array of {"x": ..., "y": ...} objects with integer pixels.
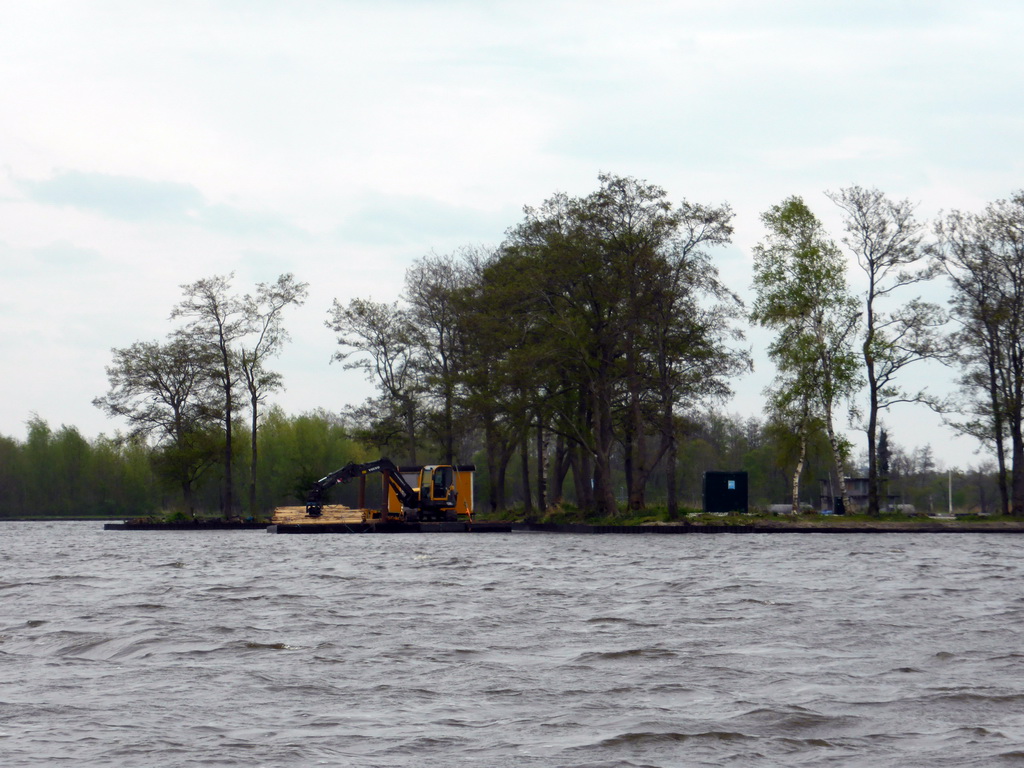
[
  {"x": 60, "y": 473},
  {"x": 56, "y": 472},
  {"x": 582, "y": 358}
]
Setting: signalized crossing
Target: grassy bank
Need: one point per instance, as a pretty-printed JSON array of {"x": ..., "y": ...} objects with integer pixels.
[{"x": 568, "y": 514}]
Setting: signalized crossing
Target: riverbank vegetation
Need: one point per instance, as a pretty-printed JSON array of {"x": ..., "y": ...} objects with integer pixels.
[
  {"x": 56, "y": 472},
  {"x": 586, "y": 360}
]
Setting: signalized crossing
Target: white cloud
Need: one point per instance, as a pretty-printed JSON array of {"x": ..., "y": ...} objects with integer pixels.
[
  {"x": 63, "y": 255},
  {"x": 120, "y": 197}
]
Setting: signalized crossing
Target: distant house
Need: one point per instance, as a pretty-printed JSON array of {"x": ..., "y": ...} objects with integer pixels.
[{"x": 856, "y": 492}]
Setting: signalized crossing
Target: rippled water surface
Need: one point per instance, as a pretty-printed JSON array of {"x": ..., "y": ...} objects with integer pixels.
[{"x": 250, "y": 649}]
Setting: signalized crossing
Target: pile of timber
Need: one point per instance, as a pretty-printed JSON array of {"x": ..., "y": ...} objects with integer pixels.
[{"x": 333, "y": 513}]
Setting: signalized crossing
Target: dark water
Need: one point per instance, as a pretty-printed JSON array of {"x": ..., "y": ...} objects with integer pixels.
[{"x": 247, "y": 649}]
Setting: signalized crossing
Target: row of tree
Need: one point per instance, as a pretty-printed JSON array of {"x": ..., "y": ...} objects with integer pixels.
[
  {"x": 601, "y": 326},
  {"x": 831, "y": 343},
  {"x": 800, "y": 277},
  {"x": 59, "y": 473}
]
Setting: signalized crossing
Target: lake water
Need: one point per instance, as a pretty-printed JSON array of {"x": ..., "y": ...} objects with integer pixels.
[{"x": 250, "y": 649}]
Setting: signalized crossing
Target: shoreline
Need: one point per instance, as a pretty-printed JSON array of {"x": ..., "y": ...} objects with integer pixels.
[
  {"x": 827, "y": 525},
  {"x": 659, "y": 529}
]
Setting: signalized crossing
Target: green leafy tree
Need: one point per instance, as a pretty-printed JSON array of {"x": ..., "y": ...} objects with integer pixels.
[
  {"x": 13, "y": 473},
  {"x": 122, "y": 480},
  {"x": 163, "y": 392},
  {"x": 800, "y": 280},
  {"x": 298, "y": 450},
  {"x": 71, "y": 461},
  {"x": 502, "y": 354},
  {"x": 576, "y": 289}
]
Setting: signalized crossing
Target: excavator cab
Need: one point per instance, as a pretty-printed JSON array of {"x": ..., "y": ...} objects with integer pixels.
[
  {"x": 436, "y": 492},
  {"x": 437, "y": 486}
]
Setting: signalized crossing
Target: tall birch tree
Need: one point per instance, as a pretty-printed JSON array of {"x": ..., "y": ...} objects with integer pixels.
[{"x": 802, "y": 294}]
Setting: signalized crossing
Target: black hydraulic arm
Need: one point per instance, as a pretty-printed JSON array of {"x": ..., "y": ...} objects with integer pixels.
[{"x": 405, "y": 492}]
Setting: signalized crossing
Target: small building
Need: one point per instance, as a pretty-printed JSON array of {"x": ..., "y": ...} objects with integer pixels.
[
  {"x": 725, "y": 492},
  {"x": 856, "y": 492}
]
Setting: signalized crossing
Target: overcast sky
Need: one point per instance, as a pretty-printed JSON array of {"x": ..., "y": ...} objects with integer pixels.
[{"x": 147, "y": 145}]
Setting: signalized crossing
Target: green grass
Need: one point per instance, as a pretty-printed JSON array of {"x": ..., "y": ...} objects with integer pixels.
[
  {"x": 178, "y": 516},
  {"x": 569, "y": 514}
]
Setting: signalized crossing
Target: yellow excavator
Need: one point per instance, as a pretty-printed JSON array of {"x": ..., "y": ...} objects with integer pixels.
[{"x": 434, "y": 498}]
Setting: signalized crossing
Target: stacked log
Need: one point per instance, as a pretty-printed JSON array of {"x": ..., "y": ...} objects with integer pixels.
[{"x": 332, "y": 513}]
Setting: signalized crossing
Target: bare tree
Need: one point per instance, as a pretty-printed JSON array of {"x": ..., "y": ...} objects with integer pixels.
[
  {"x": 885, "y": 237},
  {"x": 216, "y": 321},
  {"x": 984, "y": 258},
  {"x": 266, "y": 309},
  {"x": 376, "y": 338}
]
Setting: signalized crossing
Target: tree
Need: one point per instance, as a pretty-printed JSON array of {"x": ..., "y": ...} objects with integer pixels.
[
  {"x": 163, "y": 391},
  {"x": 885, "y": 237},
  {"x": 266, "y": 309},
  {"x": 792, "y": 421},
  {"x": 983, "y": 255},
  {"x": 380, "y": 337},
  {"x": 884, "y": 462},
  {"x": 790, "y": 407},
  {"x": 619, "y": 290},
  {"x": 432, "y": 286},
  {"x": 217, "y": 320},
  {"x": 38, "y": 460},
  {"x": 499, "y": 355},
  {"x": 800, "y": 280},
  {"x": 688, "y": 334},
  {"x": 576, "y": 287},
  {"x": 295, "y": 451},
  {"x": 13, "y": 490}
]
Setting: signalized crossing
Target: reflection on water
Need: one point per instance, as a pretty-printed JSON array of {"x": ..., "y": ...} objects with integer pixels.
[{"x": 242, "y": 648}]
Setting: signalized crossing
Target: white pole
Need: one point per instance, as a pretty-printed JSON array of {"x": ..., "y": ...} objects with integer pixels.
[{"x": 950, "y": 491}]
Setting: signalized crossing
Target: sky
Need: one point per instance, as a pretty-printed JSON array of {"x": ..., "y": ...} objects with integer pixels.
[{"x": 144, "y": 146}]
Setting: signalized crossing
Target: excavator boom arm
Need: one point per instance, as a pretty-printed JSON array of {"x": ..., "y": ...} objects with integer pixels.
[{"x": 405, "y": 492}]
